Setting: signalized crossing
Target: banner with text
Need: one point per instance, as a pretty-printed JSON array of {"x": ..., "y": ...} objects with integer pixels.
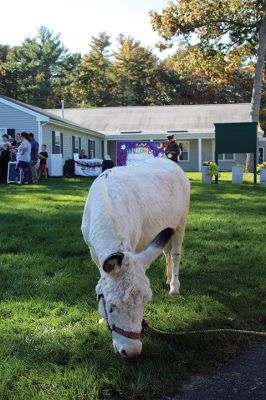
[{"x": 132, "y": 153}]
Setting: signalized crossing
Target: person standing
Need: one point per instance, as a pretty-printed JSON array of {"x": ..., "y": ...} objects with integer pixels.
[
  {"x": 23, "y": 159},
  {"x": 5, "y": 140},
  {"x": 107, "y": 163},
  {"x": 172, "y": 149},
  {"x": 4, "y": 160},
  {"x": 43, "y": 162},
  {"x": 34, "y": 157},
  {"x": 82, "y": 154}
]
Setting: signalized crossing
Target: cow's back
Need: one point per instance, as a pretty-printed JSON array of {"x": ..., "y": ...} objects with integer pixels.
[{"x": 135, "y": 203}]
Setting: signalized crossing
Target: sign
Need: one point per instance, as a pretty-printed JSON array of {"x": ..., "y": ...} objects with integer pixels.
[
  {"x": 132, "y": 153},
  {"x": 85, "y": 167},
  {"x": 11, "y": 173},
  {"x": 236, "y": 137}
]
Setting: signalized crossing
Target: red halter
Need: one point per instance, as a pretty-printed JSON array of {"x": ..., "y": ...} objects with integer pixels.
[{"x": 120, "y": 331}]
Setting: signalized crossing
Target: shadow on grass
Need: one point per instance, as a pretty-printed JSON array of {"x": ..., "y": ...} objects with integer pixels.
[{"x": 48, "y": 307}]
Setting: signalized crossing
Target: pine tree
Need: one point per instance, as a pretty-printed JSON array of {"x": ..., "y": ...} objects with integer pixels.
[
  {"x": 135, "y": 73},
  {"x": 92, "y": 85},
  {"x": 34, "y": 66}
]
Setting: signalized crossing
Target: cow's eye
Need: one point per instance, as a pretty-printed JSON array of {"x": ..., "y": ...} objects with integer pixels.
[{"x": 112, "y": 308}]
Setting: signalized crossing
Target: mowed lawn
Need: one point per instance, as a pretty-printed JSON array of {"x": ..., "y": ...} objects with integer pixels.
[{"x": 51, "y": 345}]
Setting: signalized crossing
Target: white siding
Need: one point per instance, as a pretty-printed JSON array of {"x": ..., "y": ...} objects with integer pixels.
[
  {"x": 67, "y": 140},
  {"x": 12, "y": 118}
]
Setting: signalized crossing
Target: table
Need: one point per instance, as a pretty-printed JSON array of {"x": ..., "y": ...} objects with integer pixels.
[{"x": 92, "y": 167}]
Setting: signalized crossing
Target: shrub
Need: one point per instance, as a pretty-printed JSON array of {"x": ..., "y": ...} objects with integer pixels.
[
  {"x": 213, "y": 168},
  {"x": 259, "y": 166}
]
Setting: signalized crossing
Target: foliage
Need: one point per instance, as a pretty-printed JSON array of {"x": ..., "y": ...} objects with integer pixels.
[
  {"x": 209, "y": 76},
  {"x": 213, "y": 168},
  {"x": 224, "y": 23},
  {"x": 134, "y": 73},
  {"x": 42, "y": 72},
  {"x": 92, "y": 84},
  {"x": 34, "y": 68},
  {"x": 259, "y": 166},
  {"x": 51, "y": 344}
]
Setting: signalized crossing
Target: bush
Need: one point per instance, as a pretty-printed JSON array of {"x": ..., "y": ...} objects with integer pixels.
[{"x": 213, "y": 168}]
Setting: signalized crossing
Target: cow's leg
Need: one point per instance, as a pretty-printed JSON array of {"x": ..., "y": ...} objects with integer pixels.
[
  {"x": 176, "y": 250},
  {"x": 167, "y": 254}
]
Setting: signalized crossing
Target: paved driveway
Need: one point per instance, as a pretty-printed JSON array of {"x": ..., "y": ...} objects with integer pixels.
[{"x": 241, "y": 379}]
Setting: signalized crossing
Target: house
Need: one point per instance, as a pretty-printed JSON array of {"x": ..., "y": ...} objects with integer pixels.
[
  {"x": 192, "y": 125},
  {"x": 105, "y": 130},
  {"x": 60, "y": 135}
]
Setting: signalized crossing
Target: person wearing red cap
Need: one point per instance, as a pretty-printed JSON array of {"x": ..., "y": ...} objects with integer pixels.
[{"x": 172, "y": 149}]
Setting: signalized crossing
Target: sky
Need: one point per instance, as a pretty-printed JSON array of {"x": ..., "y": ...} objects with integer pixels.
[{"x": 79, "y": 20}]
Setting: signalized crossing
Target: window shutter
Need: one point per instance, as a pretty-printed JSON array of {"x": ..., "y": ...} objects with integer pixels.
[
  {"x": 53, "y": 142},
  {"x": 93, "y": 148},
  {"x": 79, "y": 144},
  {"x": 61, "y": 144},
  {"x": 73, "y": 145},
  {"x": 89, "y": 148}
]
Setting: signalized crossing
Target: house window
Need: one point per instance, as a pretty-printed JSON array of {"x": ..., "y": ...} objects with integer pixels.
[
  {"x": 261, "y": 155},
  {"x": 57, "y": 141},
  {"x": 76, "y": 144},
  {"x": 226, "y": 157},
  {"x": 91, "y": 148},
  {"x": 184, "y": 146}
]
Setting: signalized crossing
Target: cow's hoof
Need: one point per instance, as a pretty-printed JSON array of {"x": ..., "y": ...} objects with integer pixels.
[
  {"x": 174, "y": 291},
  {"x": 168, "y": 281}
]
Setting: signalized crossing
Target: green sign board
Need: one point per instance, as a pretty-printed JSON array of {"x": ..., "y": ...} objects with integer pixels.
[{"x": 236, "y": 137}]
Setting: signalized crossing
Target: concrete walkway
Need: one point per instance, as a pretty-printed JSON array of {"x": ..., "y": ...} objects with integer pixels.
[{"x": 241, "y": 379}]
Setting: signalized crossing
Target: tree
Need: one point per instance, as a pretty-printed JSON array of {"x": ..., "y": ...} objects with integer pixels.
[
  {"x": 221, "y": 23},
  {"x": 34, "y": 66},
  {"x": 3, "y": 73},
  {"x": 92, "y": 86},
  {"x": 209, "y": 76},
  {"x": 135, "y": 73},
  {"x": 64, "y": 81}
]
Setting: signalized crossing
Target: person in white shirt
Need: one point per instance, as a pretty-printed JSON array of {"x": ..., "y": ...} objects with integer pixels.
[{"x": 23, "y": 159}]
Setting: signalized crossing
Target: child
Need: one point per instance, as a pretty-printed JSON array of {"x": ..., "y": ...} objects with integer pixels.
[{"x": 43, "y": 159}]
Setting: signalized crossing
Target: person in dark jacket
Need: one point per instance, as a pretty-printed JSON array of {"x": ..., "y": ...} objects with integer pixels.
[
  {"x": 172, "y": 149},
  {"x": 34, "y": 157},
  {"x": 107, "y": 163},
  {"x": 82, "y": 155},
  {"x": 4, "y": 160}
]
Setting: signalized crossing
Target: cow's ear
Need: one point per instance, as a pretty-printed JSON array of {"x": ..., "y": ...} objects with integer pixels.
[
  {"x": 112, "y": 265},
  {"x": 154, "y": 249}
]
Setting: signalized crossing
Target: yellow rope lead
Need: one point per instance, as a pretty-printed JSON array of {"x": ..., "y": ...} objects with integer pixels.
[{"x": 183, "y": 333}]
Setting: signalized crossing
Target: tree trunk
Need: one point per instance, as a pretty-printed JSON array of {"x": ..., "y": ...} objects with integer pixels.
[{"x": 257, "y": 86}]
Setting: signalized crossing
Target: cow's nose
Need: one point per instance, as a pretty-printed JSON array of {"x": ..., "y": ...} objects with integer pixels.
[{"x": 129, "y": 353}]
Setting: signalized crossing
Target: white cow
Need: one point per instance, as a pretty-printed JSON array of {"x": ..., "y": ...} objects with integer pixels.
[{"x": 130, "y": 215}]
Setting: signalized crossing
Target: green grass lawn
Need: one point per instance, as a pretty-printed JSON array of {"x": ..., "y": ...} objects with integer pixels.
[{"x": 52, "y": 346}]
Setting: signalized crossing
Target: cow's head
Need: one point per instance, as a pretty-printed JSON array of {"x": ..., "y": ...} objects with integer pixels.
[{"x": 124, "y": 289}]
